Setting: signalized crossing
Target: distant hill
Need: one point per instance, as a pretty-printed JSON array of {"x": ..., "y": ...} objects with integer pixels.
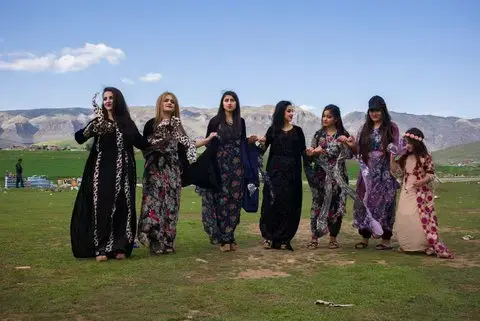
[
  {"x": 458, "y": 154},
  {"x": 59, "y": 124}
]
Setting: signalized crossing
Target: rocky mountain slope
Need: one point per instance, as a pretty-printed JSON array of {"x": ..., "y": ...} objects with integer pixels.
[{"x": 57, "y": 124}]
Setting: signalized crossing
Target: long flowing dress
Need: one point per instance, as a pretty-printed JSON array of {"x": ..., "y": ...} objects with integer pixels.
[
  {"x": 104, "y": 218},
  {"x": 162, "y": 185},
  {"x": 221, "y": 209},
  {"x": 416, "y": 224},
  {"x": 280, "y": 217},
  {"x": 382, "y": 188},
  {"x": 327, "y": 220}
]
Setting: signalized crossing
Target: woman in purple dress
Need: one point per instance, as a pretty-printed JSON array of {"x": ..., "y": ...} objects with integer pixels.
[{"x": 375, "y": 185}]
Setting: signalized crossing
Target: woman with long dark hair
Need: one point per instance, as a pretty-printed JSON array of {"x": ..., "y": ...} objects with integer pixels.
[
  {"x": 327, "y": 154},
  {"x": 221, "y": 209},
  {"x": 375, "y": 185},
  {"x": 162, "y": 183},
  {"x": 103, "y": 223},
  {"x": 282, "y": 198}
]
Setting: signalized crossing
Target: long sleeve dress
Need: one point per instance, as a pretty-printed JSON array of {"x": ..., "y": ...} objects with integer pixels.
[
  {"x": 416, "y": 224},
  {"x": 377, "y": 188},
  {"x": 104, "y": 218},
  {"x": 280, "y": 216},
  {"x": 324, "y": 186},
  {"x": 162, "y": 185},
  {"x": 221, "y": 208}
]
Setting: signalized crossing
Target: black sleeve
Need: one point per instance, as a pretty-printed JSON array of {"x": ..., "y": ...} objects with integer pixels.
[
  {"x": 244, "y": 130},
  {"x": 140, "y": 141},
  {"x": 148, "y": 128},
  {"x": 302, "y": 143},
  {"x": 212, "y": 126},
  {"x": 84, "y": 134}
]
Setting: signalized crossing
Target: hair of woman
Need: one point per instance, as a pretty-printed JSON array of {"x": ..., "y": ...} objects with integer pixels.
[
  {"x": 278, "y": 118},
  {"x": 237, "y": 121},
  {"x": 419, "y": 147},
  {"x": 335, "y": 111},
  {"x": 120, "y": 110},
  {"x": 376, "y": 103}
]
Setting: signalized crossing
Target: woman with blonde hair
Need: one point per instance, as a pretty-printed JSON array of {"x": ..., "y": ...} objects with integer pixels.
[{"x": 162, "y": 175}]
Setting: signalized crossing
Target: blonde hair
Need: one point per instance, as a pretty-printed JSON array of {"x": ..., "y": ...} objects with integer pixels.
[{"x": 159, "y": 111}]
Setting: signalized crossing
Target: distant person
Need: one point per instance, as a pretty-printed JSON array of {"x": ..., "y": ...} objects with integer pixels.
[
  {"x": 19, "y": 170},
  {"x": 104, "y": 222},
  {"x": 416, "y": 224}
]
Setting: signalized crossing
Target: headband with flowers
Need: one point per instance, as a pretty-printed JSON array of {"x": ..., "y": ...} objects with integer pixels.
[{"x": 412, "y": 136}]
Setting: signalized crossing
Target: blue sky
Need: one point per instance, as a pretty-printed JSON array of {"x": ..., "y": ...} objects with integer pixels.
[{"x": 423, "y": 57}]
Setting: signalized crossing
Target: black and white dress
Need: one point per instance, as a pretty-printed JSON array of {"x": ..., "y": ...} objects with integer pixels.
[{"x": 104, "y": 218}]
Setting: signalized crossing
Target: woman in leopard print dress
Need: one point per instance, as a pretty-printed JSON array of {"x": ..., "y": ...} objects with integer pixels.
[
  {"x": 162, "y": 183},
  {"x": 103, "y": 222}
]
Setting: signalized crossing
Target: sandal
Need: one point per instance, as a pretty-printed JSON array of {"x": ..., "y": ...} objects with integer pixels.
[
  {"x": 225, "y": 247},
  {"x": 267, "y": 244},
  {"x": 233, "y": 246},
  {"x": 361, "y": 245},
  {"x": 312, "y": 245},
  {"x": 333, "y": 245},
  {"x": 120, "y": 256},
  {"x": 383, "y": 247},
  {"x": 101, "y": 258}
]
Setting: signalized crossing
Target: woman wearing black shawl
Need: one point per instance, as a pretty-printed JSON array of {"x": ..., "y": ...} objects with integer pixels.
[
  {"x": 221, "y": 209},
  {"x": 103, "y": 223},
  {"x": 163, "y": 175}
]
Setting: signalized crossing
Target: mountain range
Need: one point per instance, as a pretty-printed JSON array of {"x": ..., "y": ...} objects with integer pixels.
[{"x": 59, "y": 124}]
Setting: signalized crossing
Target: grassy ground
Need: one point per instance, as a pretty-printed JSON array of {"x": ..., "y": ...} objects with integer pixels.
[
  {"x": 68, "y": 164},
  {"x": 202, "y": 283}
]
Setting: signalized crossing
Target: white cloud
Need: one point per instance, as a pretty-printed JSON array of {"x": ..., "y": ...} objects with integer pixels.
[
  {"x": 151, "y": 77},
  {"x": 127, "y": 81},
  {"x": 307, "y": 107},
  {"x": 69, "y": 59}
]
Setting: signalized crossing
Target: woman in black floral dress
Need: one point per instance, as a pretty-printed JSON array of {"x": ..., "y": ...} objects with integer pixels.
[
  {"x": 221, "y": 209},
  {"x": 104, "y": 220},
  {"x": 326, "y": 155},
  {"x": 162, "y": 183},
  {"x": 280, "y": 216}
]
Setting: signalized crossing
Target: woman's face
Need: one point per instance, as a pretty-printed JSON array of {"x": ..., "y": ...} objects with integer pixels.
[
  {"x": 328, "y": 119},
  {"x": 229, "y": 103},
  {"x": 288, "y": 115},
  {"x": 168, "y": 104},
  {"x": 108, "y": 100},
  {"x": 375, "y": 115}
]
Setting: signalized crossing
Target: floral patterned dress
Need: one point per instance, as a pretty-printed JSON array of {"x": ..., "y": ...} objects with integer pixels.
[
  {"x": 221, "y": 209},
  {"x": 157, "y": 226},
  {"x": 327, "y": 220},
  {"x": 377, "y": 188},
  {"x": 416, "y": 224}
]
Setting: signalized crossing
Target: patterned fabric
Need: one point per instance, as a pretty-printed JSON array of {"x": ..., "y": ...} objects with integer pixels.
[
  {"x": 327, "y": 178},
  {"x": 162, "y": 185},
  {"x": 221, "y": 210},
  {"x": 377, "y": 188},
  {"x": 426, "y": 207}
]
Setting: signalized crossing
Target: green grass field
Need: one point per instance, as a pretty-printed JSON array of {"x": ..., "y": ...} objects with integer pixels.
[
  {"x": 202, "y": 283},
  {"x": 69, "y": 164}
]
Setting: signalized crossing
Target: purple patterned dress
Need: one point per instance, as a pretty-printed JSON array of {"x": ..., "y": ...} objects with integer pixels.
[{"x": 381, "y": 186}]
